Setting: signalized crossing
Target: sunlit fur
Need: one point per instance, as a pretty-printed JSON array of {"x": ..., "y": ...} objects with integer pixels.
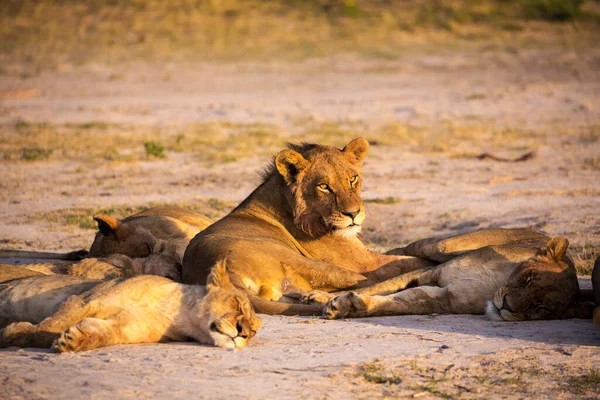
[
  {"x": 297, "y": 232},
  {"x": 543, "y": 287},
  {"x": 136, "y": 235},
  {"x": 75, "y": 314}
]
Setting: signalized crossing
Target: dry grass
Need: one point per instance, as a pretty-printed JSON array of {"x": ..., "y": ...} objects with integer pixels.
[
  {"x": 585, "y": 256},
  {"x": 46, "y": 33},
  {"x": 497, "y": 375},
  {"x": 230, "y": 142},
  {"x": 82, "y": 216}
]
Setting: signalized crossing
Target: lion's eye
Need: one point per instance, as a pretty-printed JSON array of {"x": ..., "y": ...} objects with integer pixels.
[
  {"x": 353, "y": 180},
  {"x": 213, "y": 327},
  {"x": 324, "y": 187}
]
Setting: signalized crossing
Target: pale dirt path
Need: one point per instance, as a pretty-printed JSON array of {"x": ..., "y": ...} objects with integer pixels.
[
  {"x": 438, "y": 194},
  {"x": 310, "y": 358}
]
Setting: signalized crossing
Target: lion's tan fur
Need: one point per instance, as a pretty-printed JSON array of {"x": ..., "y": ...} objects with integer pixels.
[
  {"x": 163, "y": 261},
  {"x": 76, "y": 314},
  {"x": 507, "y": 280},
  {"x": 136, "y": 235},
  {"x": 297, "y": 232}
]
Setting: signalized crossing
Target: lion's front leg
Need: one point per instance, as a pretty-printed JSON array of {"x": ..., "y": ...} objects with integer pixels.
[
  {"x": 422, "y": 276},
  {"x": 131, "y": 326},
  {"x": 419, "y": 300},
  {"x": 91, "y": 333},
  {"x": 318, "y": 297},
  {"x": 25, "y": 334}
]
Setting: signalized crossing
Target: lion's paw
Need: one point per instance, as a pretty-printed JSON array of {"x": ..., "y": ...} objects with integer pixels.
[
  {"x": 349, "y": 304},
  {"x": 16, "y": 334},
  {"x": 316, "y": 297},
  {"x": 70, "y": 340}
]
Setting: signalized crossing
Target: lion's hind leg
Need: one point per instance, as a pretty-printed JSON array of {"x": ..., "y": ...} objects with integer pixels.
[
  {"x": 127, "y": 327},
  {"x": 444, "y": 249},
  {"x": 25, "y": 334}
]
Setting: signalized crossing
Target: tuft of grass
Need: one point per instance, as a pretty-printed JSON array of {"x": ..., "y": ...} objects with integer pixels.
[
  {"x": 154, "y": 149},
  {"x": 552, "y": 10},
  {"x": 476, "y": 96},
  {"x": 433, "y": 390},
  {"x": 384, "y": 200},
  {"x": 35, "y": 154},
  {"x": 580, "y": 384},
  {"x": 592, "y": 163},
  {"x": 585, "y": 257},
  {"x": 374, "y": 373}
]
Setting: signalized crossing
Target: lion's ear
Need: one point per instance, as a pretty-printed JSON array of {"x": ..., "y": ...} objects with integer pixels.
[
  {"x": 289, "y": 163},
  {"x": 219, "y": 276},
  {"x": 356, "y": 150},
  {"x": 555, "y": 249},
  {"x": 107, "y": 224}
]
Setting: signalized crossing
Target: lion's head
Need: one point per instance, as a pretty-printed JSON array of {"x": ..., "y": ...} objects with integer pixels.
[
  {"x": 543, "y": 287},
  {"x": 226, "y": 312},
  {"x": 120, "y": 237},
  {"x": 323, "y": 186},
  {"x": 163, "y": 261}
]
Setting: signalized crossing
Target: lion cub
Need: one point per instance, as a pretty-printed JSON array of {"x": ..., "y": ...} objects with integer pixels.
[{"x": 75, "y": 314}]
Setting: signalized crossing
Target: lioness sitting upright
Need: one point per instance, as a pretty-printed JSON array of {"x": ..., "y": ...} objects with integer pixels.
[{"x": 297, "y": 232}]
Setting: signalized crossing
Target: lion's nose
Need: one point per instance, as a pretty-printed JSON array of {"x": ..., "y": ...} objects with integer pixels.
[
  {"x": 351, "y": 214},
  {"x": 243, "y": 329}
]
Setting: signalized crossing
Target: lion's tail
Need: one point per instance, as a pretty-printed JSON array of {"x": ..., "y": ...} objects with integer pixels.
[
  {"x": 72, "y": 256},
  {"x": 263, "y": 306}
]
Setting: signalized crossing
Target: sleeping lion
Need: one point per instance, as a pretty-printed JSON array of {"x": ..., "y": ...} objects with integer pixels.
[
  {"x": 71, "y": 314},
  {"x": 164, "y": 261},
  {"x": 506, "y": 282}
]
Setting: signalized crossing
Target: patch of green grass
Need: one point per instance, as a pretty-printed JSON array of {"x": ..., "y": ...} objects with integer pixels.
[
  {"x": 374, "y": 373},
  {"x": 35, "y": 154},
  {"x": 384, "y": 200},
  {"x": 154, "y": 149},
  {"x": 476, "y": 96},
  {"x": 552, "y": 10},
  {"x": 219, "y": 205},
  {"x": 580, "y": 384},
  {"x": 433, "y": 390}
]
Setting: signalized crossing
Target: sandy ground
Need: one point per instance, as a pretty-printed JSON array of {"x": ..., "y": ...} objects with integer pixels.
[{"x": 555, "y": 93}]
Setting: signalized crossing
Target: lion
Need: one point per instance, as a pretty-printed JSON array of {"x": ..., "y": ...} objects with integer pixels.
[
  {"x": 164, "y": 261},
  {"x": 72, "y": 314},
  {"x": 134, "y": 236},
  {"x": 505, "y": 282},
  {"x": 296, "y": 232}
]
